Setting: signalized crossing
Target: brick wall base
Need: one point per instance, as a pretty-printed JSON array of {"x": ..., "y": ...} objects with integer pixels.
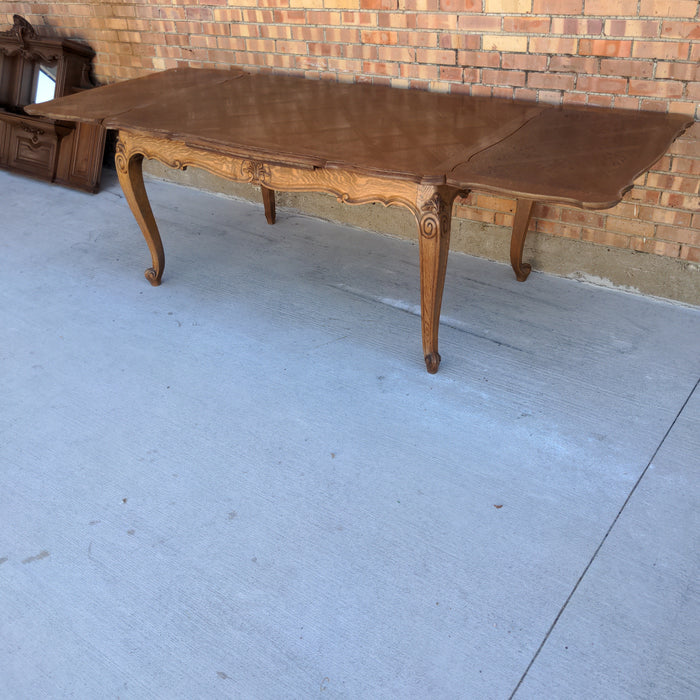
[
  {"x": 625, "y": 54},
  {"x": 629, "y": 270}
]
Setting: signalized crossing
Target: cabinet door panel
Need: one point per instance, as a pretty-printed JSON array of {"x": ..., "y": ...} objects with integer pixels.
[
  {"x": 32, "y": 148},
  {"x": 86, "y": 163}
]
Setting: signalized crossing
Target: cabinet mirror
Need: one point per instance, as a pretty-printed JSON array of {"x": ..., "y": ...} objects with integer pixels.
[{"x": 45, "y": 83}]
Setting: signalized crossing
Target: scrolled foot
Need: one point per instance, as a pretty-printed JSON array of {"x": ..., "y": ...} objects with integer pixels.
[
  {"x": 432, "y": 362},
  {"x": 522, "y": 271},
  {"x": 153, "y": 277}
]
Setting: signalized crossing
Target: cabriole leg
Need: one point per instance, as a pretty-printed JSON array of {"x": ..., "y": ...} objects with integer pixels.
[
  {"x": 521, "y": 221},
  {"x": 129, "y": 170},
  {"x": 434, "y": 243}
]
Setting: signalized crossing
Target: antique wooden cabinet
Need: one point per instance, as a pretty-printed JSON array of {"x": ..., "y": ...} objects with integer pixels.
[{"x": 36, "y": 69}]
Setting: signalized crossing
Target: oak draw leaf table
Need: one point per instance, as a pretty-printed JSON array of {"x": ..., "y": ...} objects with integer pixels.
[{"x": 370, "y": 143}]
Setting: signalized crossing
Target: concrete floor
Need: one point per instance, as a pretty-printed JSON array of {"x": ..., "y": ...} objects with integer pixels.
[{"x": 243, "y": 483}]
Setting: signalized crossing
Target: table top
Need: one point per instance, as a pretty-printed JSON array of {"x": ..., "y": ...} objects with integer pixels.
[{"x": 580, "y": 155}]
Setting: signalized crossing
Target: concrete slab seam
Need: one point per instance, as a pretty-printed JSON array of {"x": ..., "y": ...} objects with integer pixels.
[{"x": 602, "y": 542}]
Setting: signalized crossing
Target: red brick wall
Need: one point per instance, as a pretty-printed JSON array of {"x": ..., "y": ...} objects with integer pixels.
[{"x": 630, "y": 54}]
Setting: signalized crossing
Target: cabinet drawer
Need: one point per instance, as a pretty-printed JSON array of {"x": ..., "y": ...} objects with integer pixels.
[{"x": 31, "y": 147}]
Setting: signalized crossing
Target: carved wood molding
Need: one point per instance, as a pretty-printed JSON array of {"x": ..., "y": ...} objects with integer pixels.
[
  {"x": 435, "y": 207},
  {"x": 435, "y": 215},
  {"x": 22, "y": 29},
  {"x": 22, "y": 32},
  {"x": 35, "y": 132},
  {"x": 33, "y": 55},
  {"x": 348, "y": 187}
]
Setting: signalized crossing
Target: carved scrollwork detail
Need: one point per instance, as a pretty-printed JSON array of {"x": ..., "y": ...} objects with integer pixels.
[
  {"x": 22, "y": 29},
  {"x": 435, "y": 216},
  {"x": 121, "y": 160},
  {"x": 176, "y": 164},
  {"x": 124, "y": 154},
  {"x": 34, "y": 131},
  {"x": 348, "y": 198},
  {"x": 255, "y": 172}
]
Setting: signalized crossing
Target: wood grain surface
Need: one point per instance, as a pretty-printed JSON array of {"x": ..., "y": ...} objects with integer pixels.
[{"x": 580, "y": 155}]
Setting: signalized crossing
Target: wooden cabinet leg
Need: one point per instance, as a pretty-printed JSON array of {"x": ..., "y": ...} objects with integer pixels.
[
  {"x": 268, "y": 197},
  {"x": 521, "y": 221},
  {"x": 434, "y": 244},
  {"x": 129, "y": 170}
]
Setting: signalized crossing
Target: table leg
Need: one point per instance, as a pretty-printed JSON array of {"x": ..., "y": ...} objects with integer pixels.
[
  {"x": 268, "y": 196},
  {"x": 521, "y": 221},
  {"x": 130, "y": 172},
  {"x": 434, "y": 243}
]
